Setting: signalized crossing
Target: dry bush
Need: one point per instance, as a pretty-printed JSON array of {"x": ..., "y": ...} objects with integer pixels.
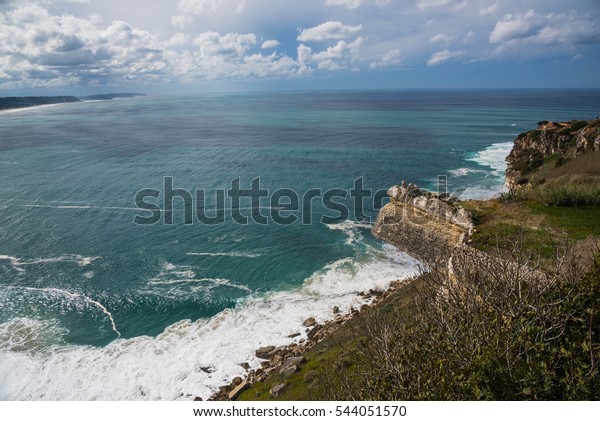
[{"x": 499, "y": 328}]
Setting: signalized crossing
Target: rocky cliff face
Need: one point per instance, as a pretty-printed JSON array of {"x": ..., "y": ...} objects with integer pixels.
[
  {"x": 550, "y": 141},
  {"x": 422, "y": 224}
]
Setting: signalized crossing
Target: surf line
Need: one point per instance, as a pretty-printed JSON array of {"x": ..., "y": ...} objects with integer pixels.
[{"x": 85, "y": 298}]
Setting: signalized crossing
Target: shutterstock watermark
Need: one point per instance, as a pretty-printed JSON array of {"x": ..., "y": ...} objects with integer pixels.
[{"x": 283, "y": 206}]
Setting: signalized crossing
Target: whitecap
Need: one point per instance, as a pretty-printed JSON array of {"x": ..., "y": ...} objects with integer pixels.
[
  {"x": 494, "y": 156},
  {"x": 249, "y": 255},
  {"x": 169, "y": 365}
]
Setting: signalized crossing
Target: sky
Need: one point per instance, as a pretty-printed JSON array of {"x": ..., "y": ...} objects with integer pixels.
[{"x": 160, "y": 46}]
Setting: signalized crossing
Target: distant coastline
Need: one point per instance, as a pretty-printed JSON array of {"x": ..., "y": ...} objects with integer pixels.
[{"x": 14, "y": 103}]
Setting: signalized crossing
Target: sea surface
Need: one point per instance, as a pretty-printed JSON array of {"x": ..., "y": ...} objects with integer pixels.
[{"x": 95, "y": 306}]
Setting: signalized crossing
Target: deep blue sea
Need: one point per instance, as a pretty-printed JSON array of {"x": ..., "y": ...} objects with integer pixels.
[{"x": 95, "y": 306}]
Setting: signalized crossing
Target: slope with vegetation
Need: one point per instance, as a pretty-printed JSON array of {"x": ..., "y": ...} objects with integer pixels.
[{"x": 517, "y": 319}]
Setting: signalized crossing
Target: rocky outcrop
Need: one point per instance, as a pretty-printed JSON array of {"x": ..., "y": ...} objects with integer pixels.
[
  {"x": 422, "y": 224},
  {"x": 558, "y": 141}
]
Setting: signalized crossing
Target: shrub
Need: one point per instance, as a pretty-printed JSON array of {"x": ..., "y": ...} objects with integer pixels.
[
  {"x": 568, "y": 194},
  {"x": 499, "y": 329}
]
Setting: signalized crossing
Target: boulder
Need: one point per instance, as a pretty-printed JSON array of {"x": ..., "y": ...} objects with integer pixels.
[
  {"x": 236, "y": 392},
  {"x": 309, "y": 322},
  {"x": 313, "y": 332},
  {"x": 292, "y": 362},
  {"x": 276, "y": 390},
  {"x": 264, "y": 352}
]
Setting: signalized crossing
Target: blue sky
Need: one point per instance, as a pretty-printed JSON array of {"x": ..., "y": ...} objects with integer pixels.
[{"x": 87, "y": 46}]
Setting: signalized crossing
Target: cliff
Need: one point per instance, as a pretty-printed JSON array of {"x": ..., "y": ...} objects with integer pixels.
[
  {"x": 551, "y": 145},
  {"x": 422, "y": 224}
]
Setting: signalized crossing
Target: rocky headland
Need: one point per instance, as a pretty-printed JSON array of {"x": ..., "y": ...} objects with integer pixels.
[{"x": 551, "y": 145}]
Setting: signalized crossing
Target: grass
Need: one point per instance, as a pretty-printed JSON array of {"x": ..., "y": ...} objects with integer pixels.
[
  {"x": 334, "y": 351},
  {"x": 539, "y": 227},
  {"x": 578, "y": 222}
]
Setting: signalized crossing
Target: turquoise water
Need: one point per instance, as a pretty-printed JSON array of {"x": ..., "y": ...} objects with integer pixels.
[{"x": 85, "y": 292}]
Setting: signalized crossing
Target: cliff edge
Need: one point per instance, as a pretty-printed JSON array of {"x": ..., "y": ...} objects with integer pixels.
[
  {"x": 538, "y": 154},
  {"x": 425, "y": 225}
]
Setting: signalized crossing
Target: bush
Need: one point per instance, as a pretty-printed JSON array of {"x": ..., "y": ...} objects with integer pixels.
[
  {"x": 531, "y": 161},
  {"x": 568, "y": 194},
  {"x": 499, "y": 329}
]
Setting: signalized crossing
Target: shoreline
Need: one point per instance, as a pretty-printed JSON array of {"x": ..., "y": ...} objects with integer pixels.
[
  {"x": 287, "y": 359},
  {"x": 32, "y": 107}
]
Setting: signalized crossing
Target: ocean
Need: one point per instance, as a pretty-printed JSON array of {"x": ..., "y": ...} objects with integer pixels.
[{"x": 96, "y": 306}]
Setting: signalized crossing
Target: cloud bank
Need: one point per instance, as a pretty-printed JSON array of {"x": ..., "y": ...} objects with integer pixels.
[{"x": 58, "y": 43}]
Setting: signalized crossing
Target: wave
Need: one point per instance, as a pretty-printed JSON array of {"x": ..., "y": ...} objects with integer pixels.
[
  {"x": 351, "y": 229},
  {"x": 177, "y": 281},
  {"x": 18, "y": 263},
  {"x": 170, "y": 365},
  {"x": 30, "y": 336},
  {"x": 494, "y": 156},
  {"x": 492, "y": 181},
  {"x": 227, "y": 254},
  {"x": 466, "y": 171},
  {"x": 75, "y": 296},
  {"x": 85, "y": 207}
]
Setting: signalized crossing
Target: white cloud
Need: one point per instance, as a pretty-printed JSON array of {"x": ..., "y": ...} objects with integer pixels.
[
  {"x": 230, "y": 45},
  {"x": 328, "y": 30},
  {"x": 270, "y": 43},
  {"x": 443, "y": 56},
  {"x": 181, "y": 21},
  {"x": 532, "y": 28},
  {"x": 198, "y": 7},
  {"x": 54, "y": 43},
  {"x": 355, "y": 4},
  {"x": 330, "y": 65},
  {"x": 390, "y": 58},
  {"x": 304, "y": 55},
  {"x": 178, "y": 39},
  {"x": 425, "y": 4},
  {"x": 441, "y": 39},
  {"x": 489, "y": 10},
  {"x": 513, "y": 26},
  {"x": 241, "y": 7}
]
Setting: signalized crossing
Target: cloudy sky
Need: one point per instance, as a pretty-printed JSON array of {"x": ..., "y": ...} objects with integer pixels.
[{"x": 86, "y": 46}]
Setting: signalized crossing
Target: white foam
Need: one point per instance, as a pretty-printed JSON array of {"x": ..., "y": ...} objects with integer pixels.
[
  {"x": 179, "y": 281},
  {"x": 18, "y": 263},
  {"x": 70, "y": 206},
  {"x": 465, "y": 171},
  {"x": 30, "y": 335},
  {"x": 169, "y": 366},
  {"x": 494, "y": 156},
  {"x": 349, "y": 228},
  {"x": 22, "y": 109},
  {"x": 76, "y": 295},
  {"x": 227, "y": 254}
]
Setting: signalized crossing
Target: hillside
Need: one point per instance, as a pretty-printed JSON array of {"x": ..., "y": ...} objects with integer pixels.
[{"x": 10, "y": 103}]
